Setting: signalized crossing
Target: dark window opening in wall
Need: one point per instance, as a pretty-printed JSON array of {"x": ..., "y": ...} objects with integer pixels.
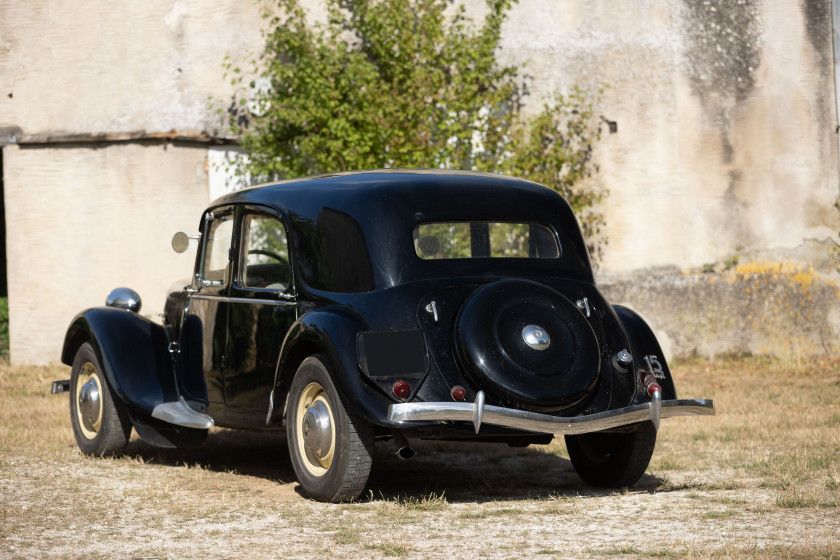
[{"x": 4, "y": 286}]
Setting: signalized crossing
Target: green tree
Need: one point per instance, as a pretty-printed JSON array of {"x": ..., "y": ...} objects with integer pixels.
[
  {"x": 404, "y": 83},
  {"x": 555, "y": 148},
  {"x": 4, "y": 326}
]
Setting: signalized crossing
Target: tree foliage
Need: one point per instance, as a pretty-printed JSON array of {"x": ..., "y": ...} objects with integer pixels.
[
  {"x": 4, "y": 326},
  {"x": 555, "y": 148},
  {"x": 405, "y": 83}
]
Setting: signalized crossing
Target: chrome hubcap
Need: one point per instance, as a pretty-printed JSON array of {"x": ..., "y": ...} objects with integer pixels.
[
  {"x": 89, "y": 404},
  {"x": 536, "y": 337},
  {"x": 317, "y": 429},
  {"x": 314, "y": 427},
  {"x": 89, "y": 400}
]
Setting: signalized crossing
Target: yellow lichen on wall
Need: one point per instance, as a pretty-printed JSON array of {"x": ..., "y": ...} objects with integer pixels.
[{"x": 781, "y": 307}]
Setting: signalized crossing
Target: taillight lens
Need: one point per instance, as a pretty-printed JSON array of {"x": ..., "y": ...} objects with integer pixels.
[
  {"x": 458, "y": 393},
  {"x": 650, "y": 384},
  {"x": 402, "y": 389}
]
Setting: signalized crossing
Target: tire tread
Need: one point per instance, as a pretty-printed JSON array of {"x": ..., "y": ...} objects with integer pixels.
[
  {"x": 115, "y": 428},
  {"x": 625, "y": 465},
  {"x": 348, "y": 481}
]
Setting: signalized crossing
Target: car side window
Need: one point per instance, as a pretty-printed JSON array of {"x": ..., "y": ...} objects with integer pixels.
[
  {"x": 265, "y": 253},
  {"x": 216, "y": 256}
]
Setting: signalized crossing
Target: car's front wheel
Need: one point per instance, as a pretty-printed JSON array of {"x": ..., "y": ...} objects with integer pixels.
[
  {"x": 100, "y": 423},
  {"x": 330, "y": 447},
  {"x": 612, "y": 459}
]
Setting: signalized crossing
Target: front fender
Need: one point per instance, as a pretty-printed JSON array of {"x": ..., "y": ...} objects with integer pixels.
[
  {"x": 643, "y": 344},
  {"x": 330, "y": 331},
  {"x": 133, "y": 352}
]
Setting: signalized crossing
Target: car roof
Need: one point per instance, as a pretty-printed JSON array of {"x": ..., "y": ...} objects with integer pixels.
[
  {"x": 350, "y": 185},
  {"x": 388, "y": 204}
]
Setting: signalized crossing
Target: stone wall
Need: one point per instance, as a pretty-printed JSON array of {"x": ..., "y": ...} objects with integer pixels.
[{"x": 782, "y": 309}]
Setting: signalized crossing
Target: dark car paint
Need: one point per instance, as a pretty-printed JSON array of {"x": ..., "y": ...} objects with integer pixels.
[
  {"x": 385, "y": 203},
  {"x": 642, "y": 343},
  {"x": 133, "y": 352},
  {"x": 390, "y": 295}
]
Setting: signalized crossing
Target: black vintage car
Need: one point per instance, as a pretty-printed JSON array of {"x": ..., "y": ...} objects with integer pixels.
[{"x": 385, "y": 305}]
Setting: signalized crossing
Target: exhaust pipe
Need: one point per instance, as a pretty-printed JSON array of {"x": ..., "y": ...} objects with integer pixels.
[{"x": 404, "y": 450}]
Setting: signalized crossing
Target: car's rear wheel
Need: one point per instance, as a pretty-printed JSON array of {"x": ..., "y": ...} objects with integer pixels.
[
  {"x": 612, "y": 459},
  {"x": 331, "y": 448},
  {"x": 100, "y": 423}
]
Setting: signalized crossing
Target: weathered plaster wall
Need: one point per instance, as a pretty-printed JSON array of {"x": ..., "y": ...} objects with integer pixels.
[
  {"x": 84, "y": 218},
  {"x": 726, "y": 141},
  {"x": 81, "y": 221},
  {"x": 88, "y": 67},
  {"x": 726, "y": 153}
]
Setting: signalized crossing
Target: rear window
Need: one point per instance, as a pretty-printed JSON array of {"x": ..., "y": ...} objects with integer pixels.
[{"x": 470, "y": 240}]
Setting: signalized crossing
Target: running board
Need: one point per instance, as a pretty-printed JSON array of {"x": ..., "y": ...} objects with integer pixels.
[{"x": 180, "y": 414}]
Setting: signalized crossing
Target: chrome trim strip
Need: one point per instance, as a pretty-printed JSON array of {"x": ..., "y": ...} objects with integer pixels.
[
  {"x": 545, "y": 423},
  {"x": 242, "y": 300},
  {"x": 179, "y": 413}
]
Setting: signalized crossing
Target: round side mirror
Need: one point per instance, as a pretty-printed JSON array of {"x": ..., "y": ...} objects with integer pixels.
[{"x": 180, "y": 242}]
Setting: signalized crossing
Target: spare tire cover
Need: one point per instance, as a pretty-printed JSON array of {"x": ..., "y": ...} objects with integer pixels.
[{"x": 555, "y": 370}]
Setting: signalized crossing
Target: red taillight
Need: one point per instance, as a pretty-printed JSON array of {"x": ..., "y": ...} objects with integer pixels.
[
  {"x": 458, "y": 393},
  {"x": 650, "y": 384},
  {"x": 402, "y": 389}
]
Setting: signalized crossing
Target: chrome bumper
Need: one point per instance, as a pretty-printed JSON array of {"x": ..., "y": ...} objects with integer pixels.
[{"x": 478, "y": 413}]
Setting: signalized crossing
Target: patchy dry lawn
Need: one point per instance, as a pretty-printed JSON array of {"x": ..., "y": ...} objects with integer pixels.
[{"x": 761, "y": 479}]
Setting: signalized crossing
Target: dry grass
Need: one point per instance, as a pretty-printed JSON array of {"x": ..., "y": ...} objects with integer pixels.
[{"x": 760, "y": 480}]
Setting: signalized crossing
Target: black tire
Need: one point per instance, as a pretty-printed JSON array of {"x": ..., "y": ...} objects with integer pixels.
[
  {"x": 100, "y": 423},
  {"x": 612, "y": 460},
  {"x": 332, "y": 465}
]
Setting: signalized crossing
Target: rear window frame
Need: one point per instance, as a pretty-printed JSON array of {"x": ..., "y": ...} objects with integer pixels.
[{"x": 487, "y": 252}]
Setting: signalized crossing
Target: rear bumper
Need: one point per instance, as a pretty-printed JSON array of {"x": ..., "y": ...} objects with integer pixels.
[{"x": 478, "y": 413}]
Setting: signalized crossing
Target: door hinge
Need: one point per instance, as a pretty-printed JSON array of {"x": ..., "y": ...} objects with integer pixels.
[{"x": 231, "y": 253}]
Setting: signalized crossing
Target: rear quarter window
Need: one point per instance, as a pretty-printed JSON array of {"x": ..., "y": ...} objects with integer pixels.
[{"x": 336, "y": 258}]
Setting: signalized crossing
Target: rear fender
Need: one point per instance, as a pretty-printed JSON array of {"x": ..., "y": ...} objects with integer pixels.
[
  {"x": 133, "y": 351},
  {"x": 647, "y": 354},
  {"x": 330, "y": 331}
]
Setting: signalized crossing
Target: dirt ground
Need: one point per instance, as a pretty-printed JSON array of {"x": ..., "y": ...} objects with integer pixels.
[{"x": 761, "y": 479}]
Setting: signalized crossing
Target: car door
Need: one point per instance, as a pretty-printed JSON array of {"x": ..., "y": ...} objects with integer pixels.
[
  {"x": 204, "y": 331},
  {"x": 261, "y": 310}
]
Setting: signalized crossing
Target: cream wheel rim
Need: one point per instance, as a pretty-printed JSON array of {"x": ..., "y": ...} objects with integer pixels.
[
  {"x": 315, "y": 428},
  {"x": 89, "y": 400}
]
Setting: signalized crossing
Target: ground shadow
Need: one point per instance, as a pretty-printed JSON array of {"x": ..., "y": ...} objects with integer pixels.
[
  {"x": 462, "y": 472},
  {"x": 479, "y": 472},
  {"x": 259, "y": 454}
]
